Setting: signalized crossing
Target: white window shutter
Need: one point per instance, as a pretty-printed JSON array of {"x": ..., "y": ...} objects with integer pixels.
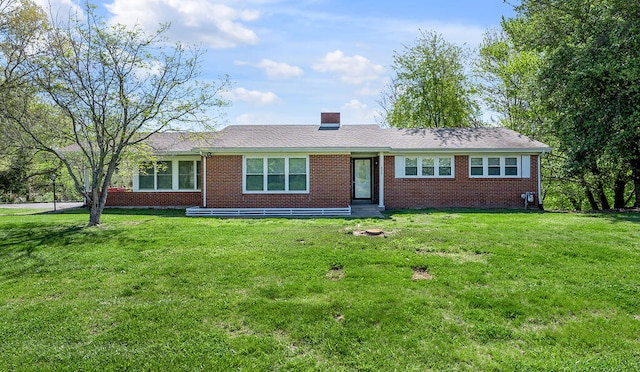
[
  {"x": 399, "y": 166},
  {"x": 526, "y": 166}
]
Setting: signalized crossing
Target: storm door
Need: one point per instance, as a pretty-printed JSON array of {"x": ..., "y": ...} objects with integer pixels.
[{"x": 362, "y": 179}]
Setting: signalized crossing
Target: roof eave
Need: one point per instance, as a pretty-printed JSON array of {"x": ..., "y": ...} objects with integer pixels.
[
  {"x": 474, "y": 150},
  {"x": 176, "y": 153},
  {"x": 341, "y": 150},
  {"x": 296, "y": 150}
]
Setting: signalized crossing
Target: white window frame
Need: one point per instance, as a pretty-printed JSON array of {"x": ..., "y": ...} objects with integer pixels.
[
  {"x": 436, "y": 165},
  {"x": 265, "y": 165},
  {"x": 174, "y": 176},
  {"x": 485, "y": 166}
]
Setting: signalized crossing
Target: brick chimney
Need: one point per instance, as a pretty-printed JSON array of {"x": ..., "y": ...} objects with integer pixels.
[{"x": 329, "y": 120}]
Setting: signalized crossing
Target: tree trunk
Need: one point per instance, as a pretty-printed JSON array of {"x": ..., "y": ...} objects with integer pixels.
[
  {"x": 95, "y": 210},
  {"x": 635, "y": 171},
  {"x": 604, "y": 202},
  {"x": 590, "y": 197},
  {"x": 619, "y": 186}
]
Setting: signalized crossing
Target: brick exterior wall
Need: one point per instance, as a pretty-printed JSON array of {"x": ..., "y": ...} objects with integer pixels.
[
  {"x": 329, "y": 185},
  {"x": 460, "y": 191},
  {"x": 154, "y": 199},
  {"x": 330, "y": 182}
]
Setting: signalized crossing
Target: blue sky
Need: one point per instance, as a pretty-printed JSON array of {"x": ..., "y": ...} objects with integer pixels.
[{"x": 291, "y": 60}]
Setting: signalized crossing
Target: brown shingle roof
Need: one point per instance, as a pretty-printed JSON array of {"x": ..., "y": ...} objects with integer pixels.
[
  {"x": 369, "y": 138},
  {"x": 299, "y": 137},
  {"x": 481, "y": 139},
  {"x": 180, "y": 142}
]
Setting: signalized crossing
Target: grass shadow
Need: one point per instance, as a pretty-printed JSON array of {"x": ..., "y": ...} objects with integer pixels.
[
  {"x": 172, "y": 212},
  {"x": 612, "y": 216},
  {"x": 394, "y": 212},
  {"x": 161, "y": 212},
  {"x": 29, "y": 248},
  {"x": 21, "y": 244}
]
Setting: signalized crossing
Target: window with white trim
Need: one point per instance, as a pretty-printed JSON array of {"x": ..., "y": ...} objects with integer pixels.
[
  {"x": 164, "y": 175},
  {"x": 169, "y": 175},
  {"x": 276, "y": 174},
  {"x": 494, "y": 166},
  {"x": 428, "y": 167},
  {"x": 147, "y": 176}
]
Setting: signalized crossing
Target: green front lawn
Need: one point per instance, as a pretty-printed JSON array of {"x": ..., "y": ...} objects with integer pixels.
[
  {"x": 496, "y": 291},
  {"x": 18, "y": 211}
]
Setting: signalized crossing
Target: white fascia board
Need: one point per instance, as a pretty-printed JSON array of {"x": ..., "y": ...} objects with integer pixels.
[
  {"x": 349, "y": 150},
  {"x": 289, "y": 150},
  {"x": 193, "y": 152},
  {"x": 464, "y": 151}
]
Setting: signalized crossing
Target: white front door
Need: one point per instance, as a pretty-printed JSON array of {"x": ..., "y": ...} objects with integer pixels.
[{"x": 362, "y": 178}]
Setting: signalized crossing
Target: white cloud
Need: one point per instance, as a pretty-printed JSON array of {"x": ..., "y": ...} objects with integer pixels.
[
  {"x": 60, "y": 9},
  {"x": 358, "y": 111},
  {"x": 199, "y": 21},
  {"x": 352, "y": 70},
  {"x": 274, "y": 70},
  {"x": 368, "y": 91},
  {"x": 279, "y": 70},
  {"x": 149, "y": 69},
  {"x": 252, "y": 96}
]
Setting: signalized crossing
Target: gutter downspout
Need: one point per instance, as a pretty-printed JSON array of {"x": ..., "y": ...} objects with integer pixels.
[
  {"x": 204, "y": 180},
  {"x": 381, "y": 182},
  {"x": 540, "y": 206}
]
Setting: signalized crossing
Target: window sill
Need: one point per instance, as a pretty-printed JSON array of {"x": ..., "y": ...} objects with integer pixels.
[
  {"x": 494, "y": 177},
  {"x": 275, "y": 192},
  {"x": 187, "y": 190},
  {"x": 428, "y": 177}
]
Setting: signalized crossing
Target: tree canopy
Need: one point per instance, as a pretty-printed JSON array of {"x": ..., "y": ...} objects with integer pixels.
[
  {"x": 431, "y": 87},
  {"x": 508, "y": 86},
  {"x": 567, "y": 72},
  {"x": 590, "y": 79},
  {"x": 95, "y": 92}
]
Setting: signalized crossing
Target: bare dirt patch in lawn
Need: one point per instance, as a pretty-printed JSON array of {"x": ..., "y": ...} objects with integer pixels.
[
  {"x": 421, "y": 273},
  {"x": 457, "y": 256},
  {"x": 335, "y": 273}
]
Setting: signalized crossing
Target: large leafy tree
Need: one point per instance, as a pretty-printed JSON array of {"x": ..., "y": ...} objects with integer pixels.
[
  {"x": 22, "y": 24},
  {"x": 96, "y": 92},
  {"x": 589, "y": 81},
  {"x": 431, "y": 87},
  {"x": 509, "y": 88},
  {"x": 508, "y": 77}
]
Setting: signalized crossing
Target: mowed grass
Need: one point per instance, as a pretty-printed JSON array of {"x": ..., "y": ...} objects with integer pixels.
[
  {"x": 152, "y": 290},
  {"x": 19, "y": 211}
]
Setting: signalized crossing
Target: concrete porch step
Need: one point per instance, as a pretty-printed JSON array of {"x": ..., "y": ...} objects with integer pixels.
[{"x": 366, "y": 211}]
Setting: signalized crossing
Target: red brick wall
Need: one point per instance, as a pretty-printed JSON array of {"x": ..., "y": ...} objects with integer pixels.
[
  {"x": 460, "y": 191},
  {"x": 329, "y": 185},
  {"x": 154, "y": 199}
]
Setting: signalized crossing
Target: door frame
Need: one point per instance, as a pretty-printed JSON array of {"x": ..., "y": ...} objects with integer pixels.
[{"x": 353, "y": 179}]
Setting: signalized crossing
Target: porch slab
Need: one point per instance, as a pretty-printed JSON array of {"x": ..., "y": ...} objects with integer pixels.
[{"x": 366, "y": 211}]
